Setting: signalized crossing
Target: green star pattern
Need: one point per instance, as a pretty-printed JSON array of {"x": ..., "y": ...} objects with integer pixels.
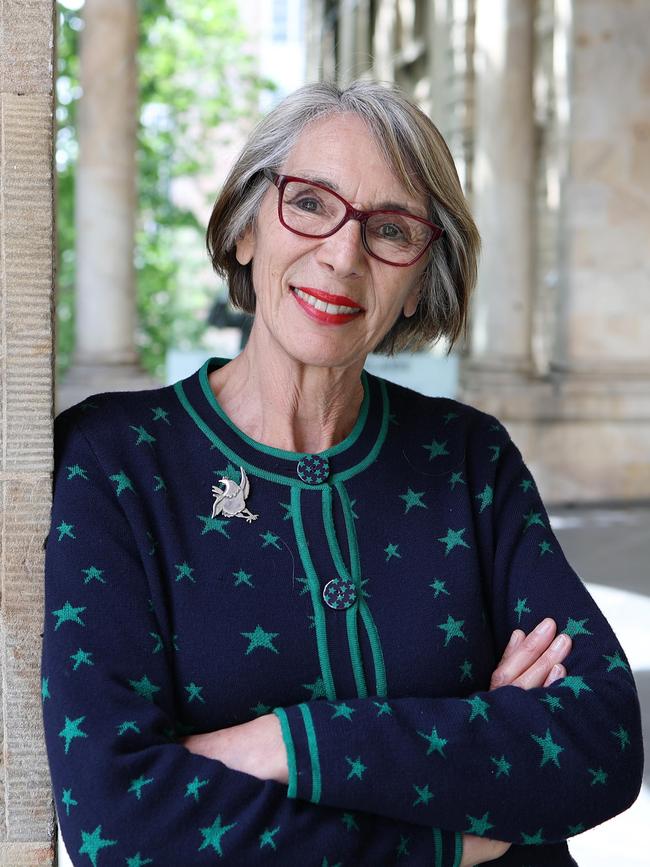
[
  {"x": 412, "y": 499},
  {"x": 68, "y": 801},
  {"x": 456, "y": 479},
  {"x": 343, "y": 710},
  {"x": 81, "y": 657},
  {"x": 184, "y": 570},
  {"x": 260, "y": 638},
  {"x": 357, "y": 768},
  {"x": 317, "y": 688},
  {"x": 193, "y": 691},
  {"x": 599, "y": 776},
  {"x": 65, "y": 530},
  {"x": 92, "y": 843},
  {"x": 138, "y": 785},
  {"x": 453, "y": 629},
  {"x": 160, "y": 484},
  {"x": 76, "y": 470},
  {"x": 532, "y": 519},
  {"x": 533, "y": 839},
  {"x": 242, "y": 577},
  {"x": 466, "y": 671},
  {"x": 213, "y": 525},
  {"x": 553, "y": 702},
  {"x": 137, "y": 861},
  {"x": 270, "y": 539},
  {"x": 92, "y": 573},
  {"x": 480, "y": 827},
  {"x": 193, "y": 788},
  {"x": 145, "y": 688},
  {"x": 575, "y": 683},
  {"x": 479, "y": 707},
  {"x": 424, "y": 795},
  {"x": 45, "y": 688},
  {"x": 160, "y": 414},
  {"x": 72, "y": 730},
  {"x": 128, "y": 725},
  {"x": 122, "y": 482},
  {"x": 382, "y": 708},
  {"x": 623, "y": 737},
  {"x": 143, "y": 436},
  {"x": 158, "y": 646},
  {"x": 545, "y": 548},
  {"x": 391, "y": 551},
  {"x": 503, "y": 766},
  {"x": 616, "y": 661},
  {"x": 68, "y": 614},
  {"x": 212, "y": 836},
  {"x": 266, "y": 838},
  {"x": 436, "y": 743},
  {"x": 521, "y": 608},
  {"x": 436, "y": 449},
  {"x": 526, "y": 485},
  {"x": 550, "y": 750},
  {"x": 260, "y": 709},
  {"x": 453, "y": 539},
  {"x": 449, "y": 416},
  {"x": 439, "y": 587},
  {"x": 326, "y": 863},
  {"x": 486, "y": 497},
  {"x": 576, "y": 627},
  {"x": 402, "y": 846},
  {"x": 350, "y": 822},
  {"x": 575, "y": 829},
  {"x": 230, "y": 472}
]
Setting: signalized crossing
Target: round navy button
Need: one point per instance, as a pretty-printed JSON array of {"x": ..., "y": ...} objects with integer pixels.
[
  {"x": 339, "y": 594},
  {"x": 313, "y": 469}
]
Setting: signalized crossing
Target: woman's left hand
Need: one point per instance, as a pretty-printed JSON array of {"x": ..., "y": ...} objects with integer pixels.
[{"x": 254, "y": 747}]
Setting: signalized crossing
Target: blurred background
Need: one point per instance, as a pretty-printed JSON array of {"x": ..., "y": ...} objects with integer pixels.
[{"x": 545, "y": 105}]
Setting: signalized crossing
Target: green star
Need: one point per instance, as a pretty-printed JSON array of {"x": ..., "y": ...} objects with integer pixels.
[
  {"x": 260, "y": 638},
  {"x": 93, "y": 843},
  {"x": 194, "y": 691},
  {"x": 76, "y": 470},
  {"x": 158, "y": 646},
  {"x": 453, "y": 629},
  {"x": 623, "y": 736},
  {"x": 616, "y": 661},
  {"x": 436, "y": 743},
  {"x": 68, "y": 801},
  {"x": 123, "y": 482},
  {"x": 184, "y": 570},
  {"x": 550, "y": 750},
  {"x": 136, "y": 861},
  {"x": 145, "y": 687},
  {"x": 453, "y": 539},
  {"x": 326, "y": 863},
  {"x": 349, "y": 821},
  {"x": 436, "y": 449},
  {"x": 65, "y": 530},
  {"x": 128, "y": 725},
  {"x": 357, "y": 768},
  {"x": 143, "y": 435},
  {"x": 342, "y": 709},
  {"x": 533, "y": 839},
  {"x": 545, "y": 548},
  {"x": 193, "y": 788},
  {"x": 449, "y": 416},
  {"x": 533, "y": 518},
  {"x": 213, "y": 525},
  {"x": 479, "y": 707},
  {"x": 478, "y": 826},
  {"x": 526, "y": 485},
  {"x": 68, "y": 614},
  {"x": 553, "y": 702},
  {"x": 230, "y": 472},
  {"x": 439, "y": 587},
  {"x": 352, "y": 512},
  {"x": 391, "y": 551},
  {"x": 305, "y": 585},
  {"x": 160, "y": 484},
  {"x": 137, "y": 785},
  {"x": 576, "y": 627},
  {"x": 45, "y": 688},
  {"x": 260, "y": 709},
  {"x": 160, "y": 414},
  {"x": 575, "y": 829},
  {"x": 402, "y": 846},
  {"x": 81, "y": 657},
  {"x": 599, "y": 776},
  {"x": 270, "y": 539},
  {"x": 71, "y": 730},
  {"x": 502, "y": 764},
  {"x": 212, "y": 835},
  {"x": 466, "y": 671},
  {"x": 496, "y": 451},
  {"x": 486, "y": 496},
  {"x": 92, "y": 573},
  {"x": 576, "y": 684},
  {"x": 412, "y": 499},
  {"x": 424, "y": 795},
  {"x": 287, "y": 511},
  {"x": 521, "y": 608},
  {"x": 266, "y": 838},
  {"x": 317, "y": 688},
  {"x": 456, "y": 479},
  {"x": 242, "y": 577},
  {"x": 383, "y": 708}
]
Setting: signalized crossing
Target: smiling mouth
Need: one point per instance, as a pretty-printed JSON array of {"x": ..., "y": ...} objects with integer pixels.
[{"x": 331, "y": 305}]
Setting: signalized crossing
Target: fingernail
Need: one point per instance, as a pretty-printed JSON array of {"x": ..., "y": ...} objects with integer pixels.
[
  {"x": 545, "y": 627},
  {"x": 559, "y": 642},
  {"x": 515, "y": 638},
  {"x": 556, "y": 671}
]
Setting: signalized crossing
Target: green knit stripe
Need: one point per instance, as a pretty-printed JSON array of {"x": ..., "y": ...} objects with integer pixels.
[
  {"x": 291, "y": 751},
  {"x": 330, "y": 532},
  {"x": 437, "y": 842},
  {"x": 371, "y": 457},
  {"x": 313, "y": 753},
  {"x": 458, "y": 854},
  {"x": 314, "y": 589}
]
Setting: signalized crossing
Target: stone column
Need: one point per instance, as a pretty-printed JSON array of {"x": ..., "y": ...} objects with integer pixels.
[
  {"x": 26, "y": 352},
  {"x": 105, "y": 356}
]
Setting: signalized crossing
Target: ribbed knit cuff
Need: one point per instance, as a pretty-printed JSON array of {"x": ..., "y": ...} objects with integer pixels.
[{"x": 302, "y": 752}]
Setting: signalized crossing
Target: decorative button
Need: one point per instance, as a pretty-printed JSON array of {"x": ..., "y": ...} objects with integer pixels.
[
  {"x": 339, "y": 594},
  {"x": 313, "y": 469}
]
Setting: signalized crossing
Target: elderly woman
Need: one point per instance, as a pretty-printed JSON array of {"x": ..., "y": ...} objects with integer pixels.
[{"x": 298, "y": 615}]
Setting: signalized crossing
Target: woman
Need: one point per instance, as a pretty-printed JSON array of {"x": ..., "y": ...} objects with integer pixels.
[{"x": 296, "y": 614}]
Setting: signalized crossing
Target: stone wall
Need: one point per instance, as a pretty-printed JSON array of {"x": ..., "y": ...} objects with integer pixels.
[{"x": 26, "y": 356}]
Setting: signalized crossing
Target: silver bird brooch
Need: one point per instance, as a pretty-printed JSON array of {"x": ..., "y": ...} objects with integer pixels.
[{"x": 231, "y": 502}]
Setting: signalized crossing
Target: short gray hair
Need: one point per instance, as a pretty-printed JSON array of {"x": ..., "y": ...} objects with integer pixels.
[{"x": 417, "y": 154}]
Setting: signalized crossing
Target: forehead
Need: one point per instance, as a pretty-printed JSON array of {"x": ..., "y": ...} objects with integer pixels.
[{"x": 341, "y": 151}]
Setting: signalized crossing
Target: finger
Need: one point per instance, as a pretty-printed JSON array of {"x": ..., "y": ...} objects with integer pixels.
[
  {"x": 538, "y": 672},
  {"x": 525, "y": 654},
  {"x": 515, "y": 640},
  {"x": 556, "y": 673}
]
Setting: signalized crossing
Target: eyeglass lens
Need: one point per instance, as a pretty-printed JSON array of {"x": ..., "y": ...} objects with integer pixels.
[{"x": 316, "y": 212}]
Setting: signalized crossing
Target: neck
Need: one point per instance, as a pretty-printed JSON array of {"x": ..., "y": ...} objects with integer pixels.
[{"x": 284, "y": 403}]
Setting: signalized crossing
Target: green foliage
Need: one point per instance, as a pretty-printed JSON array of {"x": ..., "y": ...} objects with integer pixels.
[{"x": 194, "y": 76}]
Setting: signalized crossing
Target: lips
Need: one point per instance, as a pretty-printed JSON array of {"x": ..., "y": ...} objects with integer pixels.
[{"x": 326, "y": 307}]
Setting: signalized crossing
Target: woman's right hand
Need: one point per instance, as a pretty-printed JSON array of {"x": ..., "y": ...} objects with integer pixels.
[{"x": 528, "y": 661}]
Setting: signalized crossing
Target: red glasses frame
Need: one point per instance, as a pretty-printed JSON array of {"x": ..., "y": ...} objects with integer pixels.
[{"x": 351, "y": 213}]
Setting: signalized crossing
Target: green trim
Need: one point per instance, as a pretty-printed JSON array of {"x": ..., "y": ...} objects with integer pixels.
[
  {"x": 291, "y": 750},
  {"x": 314, "y": 588},
  {"x": 350, "y": 439},
  {"x": 371, "y": 457},
  {"x": 437, "y": 842},
  {"x": 313, "y": 753},
  {"x": 458, "y": 854},
  {"x": 381, "y": 685}
]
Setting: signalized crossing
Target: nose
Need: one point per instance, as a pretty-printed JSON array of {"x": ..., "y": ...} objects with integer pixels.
[{"x": 343, "y": 251}]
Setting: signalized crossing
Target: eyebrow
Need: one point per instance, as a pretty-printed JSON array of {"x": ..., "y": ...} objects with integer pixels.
[{"x": 380, "y": 206}]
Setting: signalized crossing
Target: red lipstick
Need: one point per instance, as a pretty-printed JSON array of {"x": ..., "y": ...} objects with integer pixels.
[{"x": 323, "y": 316}]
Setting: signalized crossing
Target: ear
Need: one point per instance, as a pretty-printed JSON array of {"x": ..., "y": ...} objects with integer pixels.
[
  {"x": 412, "y": 300},
  {"x": 245, "y": 247}
]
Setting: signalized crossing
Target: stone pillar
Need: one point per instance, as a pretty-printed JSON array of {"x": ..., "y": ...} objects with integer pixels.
[
  {"x": 26, "y": 352},
  {"x": 106, "y": 356}
]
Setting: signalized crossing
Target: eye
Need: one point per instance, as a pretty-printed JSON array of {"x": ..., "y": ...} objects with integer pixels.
[
  {"x": 307, "y": 203},
  {"x": 390, "y": 232}
]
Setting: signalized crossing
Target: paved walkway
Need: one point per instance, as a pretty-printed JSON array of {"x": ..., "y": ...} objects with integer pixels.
[{"x": 610, "y": 549}]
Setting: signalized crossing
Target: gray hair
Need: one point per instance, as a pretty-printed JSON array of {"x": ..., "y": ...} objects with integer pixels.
[{"x": 417, "y": 154}]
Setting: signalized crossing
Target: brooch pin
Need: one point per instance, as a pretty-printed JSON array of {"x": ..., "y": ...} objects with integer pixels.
[{"x": 231, "y": 502}]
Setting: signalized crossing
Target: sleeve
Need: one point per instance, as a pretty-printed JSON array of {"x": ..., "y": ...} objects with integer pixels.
[
  {"x": 525, "y": 766},
  {"x": 125, "y": 791}
]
